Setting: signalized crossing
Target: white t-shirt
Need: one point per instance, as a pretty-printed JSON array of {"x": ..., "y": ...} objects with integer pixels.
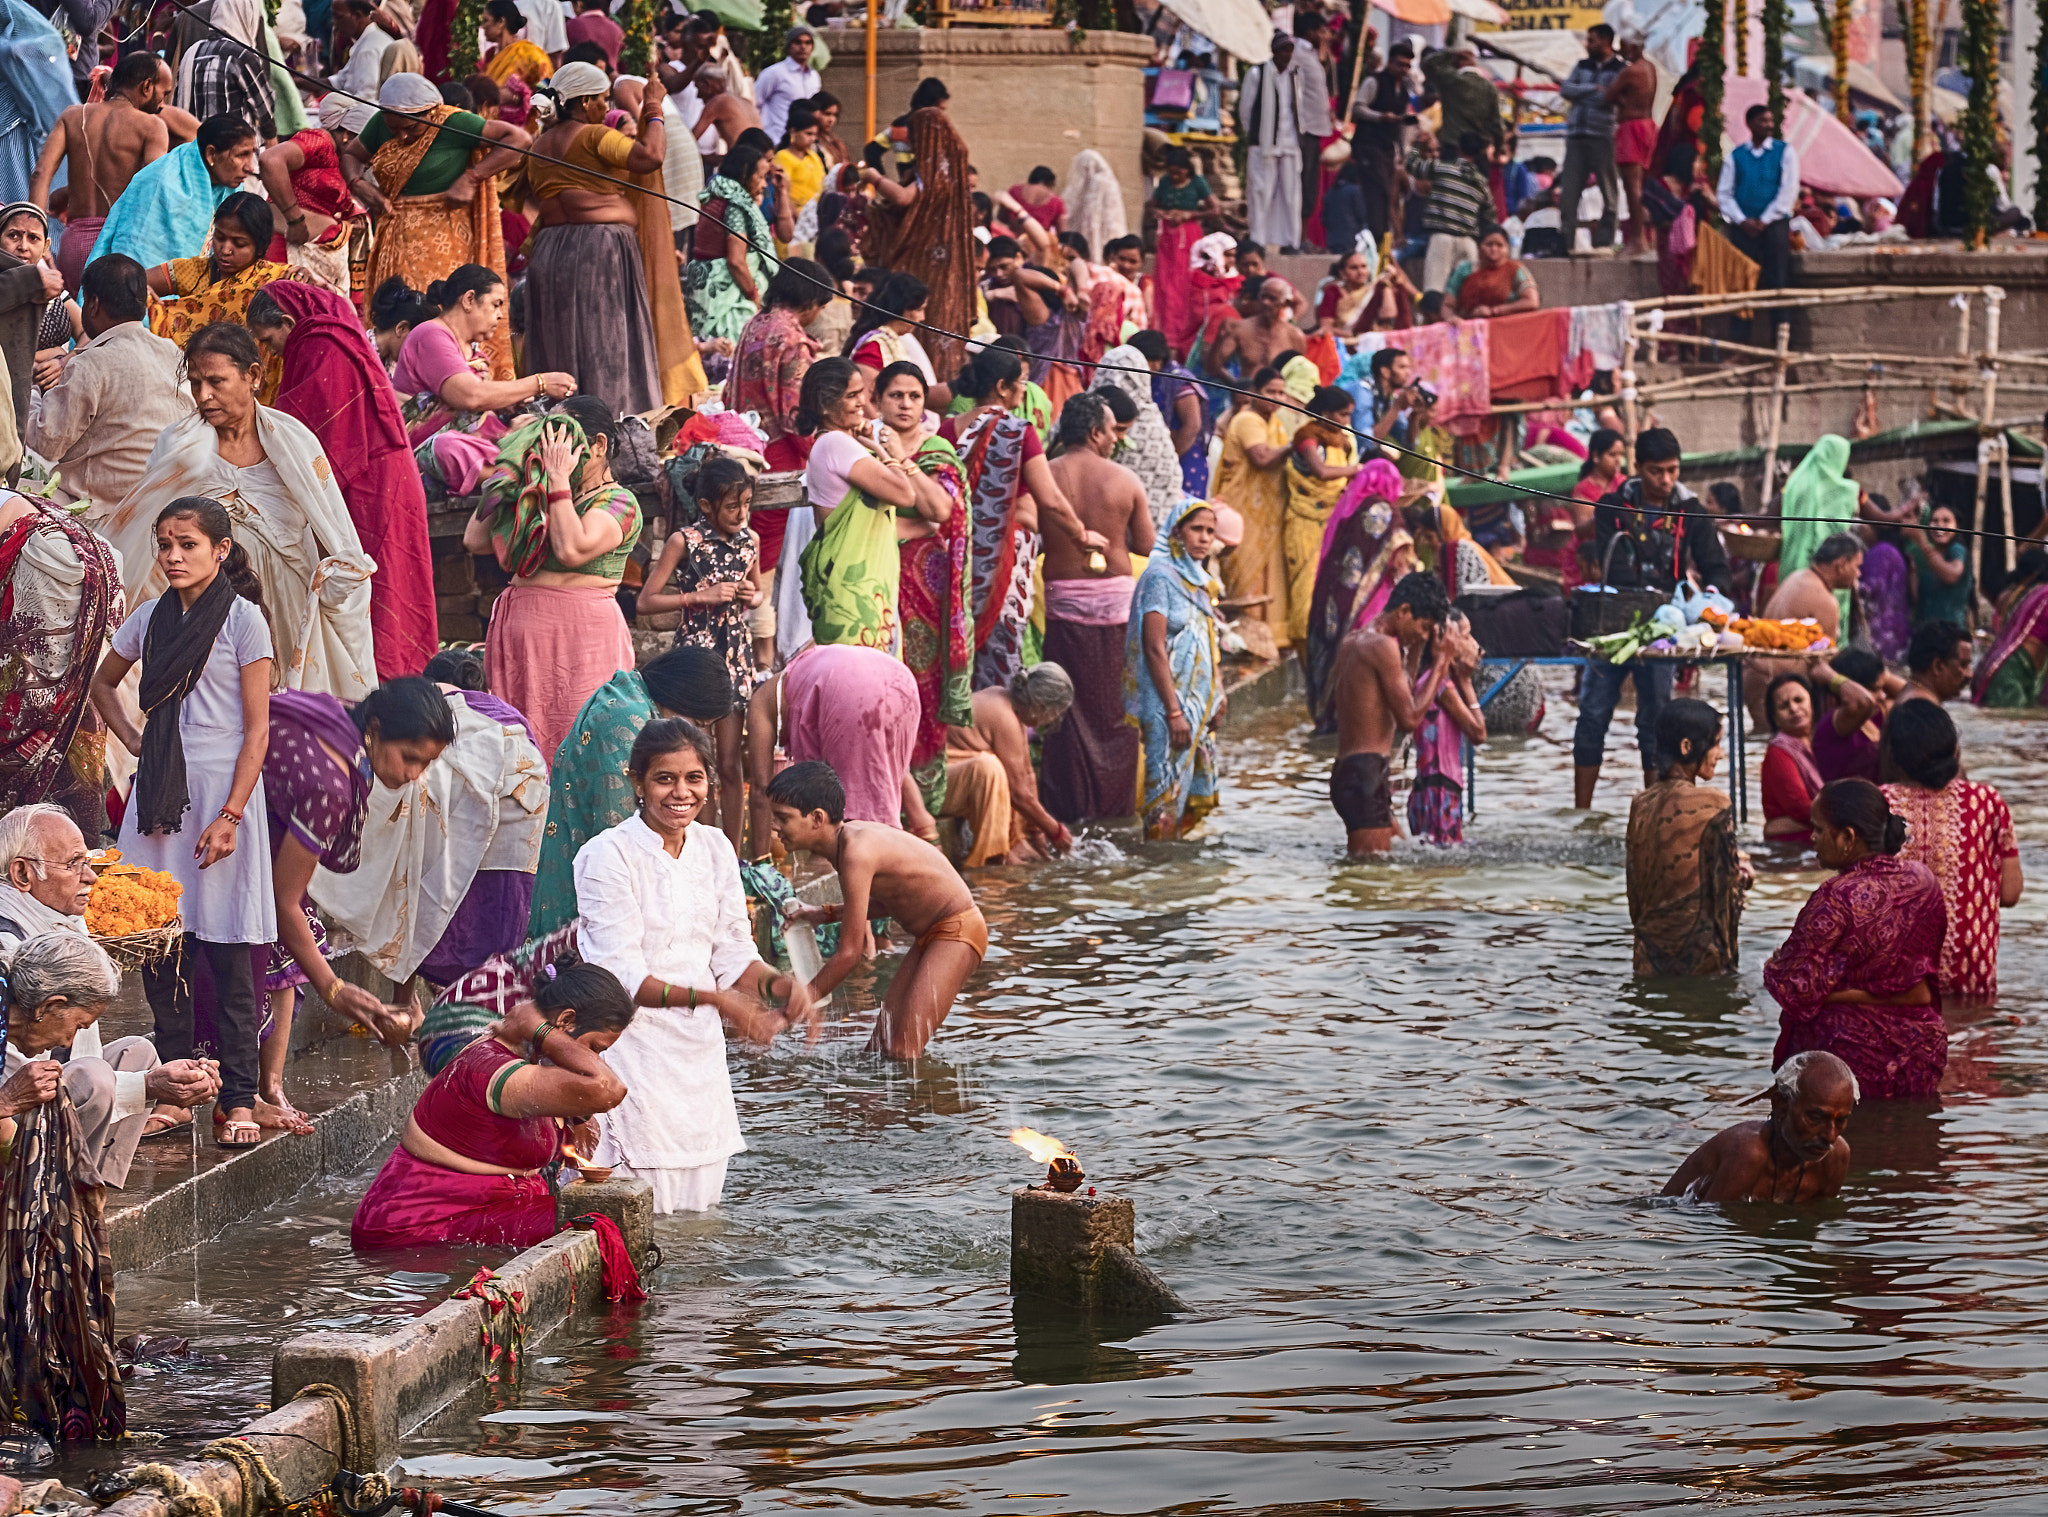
[
  {"x": 544, "y": 26},
  {"x": 833, "y": 456},
  {"x": 216, "y": 701}
]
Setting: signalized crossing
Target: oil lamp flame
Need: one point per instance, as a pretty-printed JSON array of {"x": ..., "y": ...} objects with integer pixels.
[{"x": 1043, "y": 1150}]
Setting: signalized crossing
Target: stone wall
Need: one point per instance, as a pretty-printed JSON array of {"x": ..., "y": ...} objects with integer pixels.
[{"x": 1022, "y": 96}]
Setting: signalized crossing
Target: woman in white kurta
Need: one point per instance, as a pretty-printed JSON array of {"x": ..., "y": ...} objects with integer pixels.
[
  {"x": 197, "y": 809},
  {"x": 662, "y": 908}
]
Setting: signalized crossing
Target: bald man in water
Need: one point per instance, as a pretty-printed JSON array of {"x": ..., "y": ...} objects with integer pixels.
[{"x": 1795, "y": 1154}]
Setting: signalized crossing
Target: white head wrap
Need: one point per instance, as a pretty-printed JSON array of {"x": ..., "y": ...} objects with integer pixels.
[
  {"x": 408, "y": 92},
  {"x": 334, "y": 108},
  {"x": 579, "y": 81},
  {"x": 1207, "y": 254},
  {"x": 360, "y": 115}
]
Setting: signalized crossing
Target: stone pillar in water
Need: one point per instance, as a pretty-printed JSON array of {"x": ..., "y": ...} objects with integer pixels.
[{"x": 1078, "y": 1249}]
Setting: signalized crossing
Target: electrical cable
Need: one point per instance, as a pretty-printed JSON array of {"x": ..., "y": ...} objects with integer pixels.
[{"x": 832, "y": 292}]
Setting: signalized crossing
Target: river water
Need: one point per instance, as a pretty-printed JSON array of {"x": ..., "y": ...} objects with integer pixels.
[{"x": 1394, "y": 1131}]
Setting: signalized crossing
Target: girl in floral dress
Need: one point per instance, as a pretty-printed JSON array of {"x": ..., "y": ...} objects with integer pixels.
[{"x": 710, "y": 572}]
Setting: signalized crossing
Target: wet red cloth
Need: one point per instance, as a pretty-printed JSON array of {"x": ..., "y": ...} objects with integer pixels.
[
  {"x": 412, "y": 1203},
  {"x": 335, "y": 384},
  {"x": 1525, "y": 353},
  {"x": 1878, "y": 926}
]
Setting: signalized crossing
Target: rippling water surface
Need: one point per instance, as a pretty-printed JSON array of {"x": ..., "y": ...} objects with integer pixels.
[{"x": 1394, "y": 1131}]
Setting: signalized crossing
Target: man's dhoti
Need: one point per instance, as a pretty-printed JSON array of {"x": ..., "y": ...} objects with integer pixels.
[{"x": 1273, "y": 196}]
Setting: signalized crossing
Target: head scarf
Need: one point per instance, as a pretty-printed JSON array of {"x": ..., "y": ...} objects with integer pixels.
[
  {"x": 334, "y": 109},
  {"x": 360, "y": 114},
  {"x": 19, "y": 207},
  {"x": 1820, "y": 500},
  {"x": 1207, "y": 254},
  {"x": 1095, "y": 201},
  {"x": 241, "y": 20},
  {"x": 1168, "y": 548},
  {"x": 579, "y": 81},
  {"x": 935, "y": 240},
  {"x": 1301, "y": 378},
  {"x": 334, "y": 382},
  {"x": 515, "y": 100},
  {"x": 409, "y": 92},
  {"x": 1147, "y": 450},
  {"x": 1378, "y": 480}
]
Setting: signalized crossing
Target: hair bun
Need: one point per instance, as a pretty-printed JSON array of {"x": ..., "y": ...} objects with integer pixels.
[
  {"x": 436, "y": 293},
  {"x": 1894, "y": 833}
]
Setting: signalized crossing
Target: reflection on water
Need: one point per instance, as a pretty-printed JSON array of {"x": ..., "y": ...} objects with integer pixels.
[{"x": 1393, "y": 1129}]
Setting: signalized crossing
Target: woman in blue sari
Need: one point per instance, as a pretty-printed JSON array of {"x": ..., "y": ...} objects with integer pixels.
[{"x": 1173, "y": 690}]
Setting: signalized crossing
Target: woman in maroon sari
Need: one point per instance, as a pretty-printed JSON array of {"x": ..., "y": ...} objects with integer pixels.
[
  {"x": 1857, "y": 976},
  {"x": 335, "y": 384},
  {"x": 468, "y": 1168}
]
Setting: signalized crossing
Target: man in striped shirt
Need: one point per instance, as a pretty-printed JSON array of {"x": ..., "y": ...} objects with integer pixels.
[{"x": 1459, "y": 206}]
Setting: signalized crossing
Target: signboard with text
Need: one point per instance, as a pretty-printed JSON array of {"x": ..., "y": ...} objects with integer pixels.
[{"x": 1546, "y": 16}]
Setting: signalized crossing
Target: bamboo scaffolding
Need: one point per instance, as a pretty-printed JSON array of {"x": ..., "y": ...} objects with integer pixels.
[{"x": 1777, "y": 416}]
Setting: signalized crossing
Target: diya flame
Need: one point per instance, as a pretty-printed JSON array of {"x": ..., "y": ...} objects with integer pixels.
[{"x": 1043, "y": 1149}]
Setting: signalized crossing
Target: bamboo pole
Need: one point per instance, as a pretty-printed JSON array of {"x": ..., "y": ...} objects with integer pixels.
[
  {"x": 2005, "y": 496},
  {"x": 1828, "y": 296},
  {"x": 870, "y": 61},
  {"x": 1627, "y": 380},
  {"x": 1993, "y": 310},
  {"x": 1777, "y": 418}
]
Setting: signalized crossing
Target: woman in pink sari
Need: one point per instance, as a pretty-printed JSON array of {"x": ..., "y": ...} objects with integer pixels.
[
  {"x": 1365, "y": 551},
  {"x": 1856, "y": 978},
  {"x": 468, "y": 1168},
  {"x": 335, "y": 384}
]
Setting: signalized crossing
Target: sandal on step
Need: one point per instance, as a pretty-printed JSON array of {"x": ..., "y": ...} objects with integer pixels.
[
  {"x": 234, "y": 1134},
  {"x": 169, "y": 1129}
]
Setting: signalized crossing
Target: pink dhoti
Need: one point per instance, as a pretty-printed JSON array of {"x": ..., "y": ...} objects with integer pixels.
[
  {"x": 75, "y": 251},
  {"x": 855, "y": 709},
  {"x": 549, "y": 649},
  {"x": 412, "y": 1204}
]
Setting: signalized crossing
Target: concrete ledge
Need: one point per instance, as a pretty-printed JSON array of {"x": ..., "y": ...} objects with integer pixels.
[{"x": 186, "y": 1214}]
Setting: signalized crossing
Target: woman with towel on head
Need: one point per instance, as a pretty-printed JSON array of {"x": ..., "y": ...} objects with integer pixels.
[{"x": 312, "y": 209}]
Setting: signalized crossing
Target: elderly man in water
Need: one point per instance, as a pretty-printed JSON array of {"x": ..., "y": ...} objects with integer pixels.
[{"x": 1795, "y": 1154}]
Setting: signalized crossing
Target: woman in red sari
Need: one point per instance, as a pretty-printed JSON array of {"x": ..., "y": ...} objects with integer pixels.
[
  {"x": 335, "y": 383},
  {"x": 1180, "y": 202},
  {"x": 1857, "y": 976},
  {"x": 468, "y": 1167}
]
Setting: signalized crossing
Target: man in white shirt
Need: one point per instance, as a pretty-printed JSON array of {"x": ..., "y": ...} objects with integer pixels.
[
  {"x": 116, "y": 393},
  {"x": 353, "y": 24},
  {"x": 59, "y": 981},
  {"x": 781, "y": 85},
  {"x": 1758, "y": 189},
  {"x": 545, "y": 28},
  {"x": 1312, "y": 87},
  {"x": 1270, "y": 114}
]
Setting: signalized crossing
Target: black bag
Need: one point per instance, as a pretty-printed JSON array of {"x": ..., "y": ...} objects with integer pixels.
[
  {"x": 1518, "y": 624},
  {"x": 1603, "y": 608}
]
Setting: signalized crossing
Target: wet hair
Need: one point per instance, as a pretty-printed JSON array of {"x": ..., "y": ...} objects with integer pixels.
[
  {"x": 1839, "y": 548},
  {"x": 897, "y": 294},
  {"x": 1686, "y": 732},
  {"x": 1003, "y": 247},
  {"x": 898, "y": 370},
  {"x": 929, "y": 92},
  {"x": 219, "y": 133},
  {"x": 824, "y": 383},
  {"x": 1771, "y": 695},
  {"x": 1602, "y": 439},
  {"x": 1045, "y": 176},
  {"x": 1152, "y": 344},
  {"x": 798, "y": 283},
  {"x": 739, "y": 164},
  {"x": 1075, "y": 243},
  {"x": 216, "y": 526},
  {"x": 1122, "y": 406},
  {"x": 464, "y": 279},
  {"x": 672, "y": 734},
  {"x": 1045, "y": 689},
  {"x": 405, "y": 710},
  {"x": 693, "y": 682},
  {"x": 264, "y": 312},
  {"x": 1657, "y": 445},
  {"x": 119, "y": 284},
  {"x": 715, "y": 477},
  {"x": 133, "y": 71},
  {"x": 1081, "y": 415},
  {"x": 1919, "y": 746},
  {"x": 226, "y": 339},
  {"x": 456, "y": 666},
  {"x": 1792, "y": 1074},
  {"x": 1328, "y": 398},
  {"x": 1423, "y": 595},
  {"x": 396, "y": 301},
  {"x": 835, "y": 254},
  {"x": 595, "y": 418},
  {"x": 457, "y": 95},
  {"x": 1933, "y": 642},
  {"x": 248, "y": 214},
  {"x": 1860, "y": 807},
  {"x": 810, "y": 786},
  {"x": 991, "y": 366},
  {"x": 593, "y": 992}
]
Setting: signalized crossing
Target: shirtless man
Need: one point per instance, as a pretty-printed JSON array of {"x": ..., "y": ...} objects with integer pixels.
[
  {"x": 723, "y": 111},
  {"x": 888, "y": 871},
  {"x": 1378, "y": 699},
  {"x": 1837, "y": 564},
  {"x": 1039, "y": 697},
  {"x": 1090, "y": 767},
  {"x": 1264, "y": 340},
  {"x": 1633, "y": 94},
  {"x": 1795, "y": 1154},
  {"x": 102, "y": 146}
]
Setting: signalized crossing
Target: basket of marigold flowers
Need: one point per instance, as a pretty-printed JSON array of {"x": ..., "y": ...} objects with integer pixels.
[{"x": 133, "y": 912}]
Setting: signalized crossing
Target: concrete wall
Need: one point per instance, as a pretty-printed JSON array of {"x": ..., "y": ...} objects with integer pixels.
[{"x": 1022, "y": 96}]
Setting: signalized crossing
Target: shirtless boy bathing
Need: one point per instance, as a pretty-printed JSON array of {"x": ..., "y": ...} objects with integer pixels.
[
  {"x": 1378, "y": 698},
  {"x": 888, "y": 871}
]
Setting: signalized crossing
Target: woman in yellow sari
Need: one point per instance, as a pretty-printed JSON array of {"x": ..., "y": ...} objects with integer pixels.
[
  {"x": 428, "y": 173},
  {"x": 603, "y": 299},
  {"x": 511, "y": 53},
  {"x": 1320, "y": 462},
  {"x": 1251, "y": 476},
  {"x": 217, "y": 285}
]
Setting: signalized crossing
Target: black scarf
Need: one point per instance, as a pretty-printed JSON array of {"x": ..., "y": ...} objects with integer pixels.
[{"x": 174, "y": 655}]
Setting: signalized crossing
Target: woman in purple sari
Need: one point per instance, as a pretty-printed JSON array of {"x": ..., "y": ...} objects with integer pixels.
[
  {"x": 1856, "y": 977},
  {"x": 1365, "y": 550}
]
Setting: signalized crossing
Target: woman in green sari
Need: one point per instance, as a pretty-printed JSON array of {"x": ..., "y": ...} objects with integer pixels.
[
  {"x": 1819, "y": 501},
  {"x": 588, "y": 791},
  {"x": 1173, "y": 685},
  {"x": 729, "y": 251}
]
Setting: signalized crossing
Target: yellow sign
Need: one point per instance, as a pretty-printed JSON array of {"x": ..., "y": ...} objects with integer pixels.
[{"x": 1546, "y": 16}]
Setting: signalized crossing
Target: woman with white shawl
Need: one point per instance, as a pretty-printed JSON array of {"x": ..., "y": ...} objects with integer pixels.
[
  {"x": 269, "y": 472},
  {"x": 1147, "y": 449},
  {"x": 1095, "y": 202}
]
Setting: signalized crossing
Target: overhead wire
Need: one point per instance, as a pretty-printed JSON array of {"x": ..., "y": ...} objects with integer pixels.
[{"x": 832, "y": 291}]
